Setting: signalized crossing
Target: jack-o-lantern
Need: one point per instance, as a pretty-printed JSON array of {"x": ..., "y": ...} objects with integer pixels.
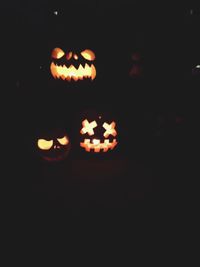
[
  {"x": 73, "y": 66},
  {"x": 98, "y": 134},
  {"x": 196, "y": 70},
  {"x": 136, "y": 69},
  {"x": 53, "y": 146}
]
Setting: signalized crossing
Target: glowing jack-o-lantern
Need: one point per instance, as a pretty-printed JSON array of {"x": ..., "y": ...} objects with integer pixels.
[
  {"x": 73, "y": 66},
  {"x": 53, "y": 146},
  {"x": 99, "y": 134}
]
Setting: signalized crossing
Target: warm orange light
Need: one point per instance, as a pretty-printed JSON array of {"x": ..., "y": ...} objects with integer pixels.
[
  {"x": 96, "y": 142},
  {"x": 71, "y": 72},
  {"x": 97, "y": 146},
  {"x": 75, "y": 56},
  {"x": 63, "y": 141},
  {"x": 65, "y": 72},
  {"x": 110, "y": 129},
  {"x": 68, "y": 55},
  {"x": 44, "y": 144},
  {"x": 88, "y": 127},
  {"x": 57, "y": 53},
  {"x": 88, "y": 54}
]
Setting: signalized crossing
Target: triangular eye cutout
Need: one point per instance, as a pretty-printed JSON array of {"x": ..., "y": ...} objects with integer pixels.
[
  {"x": 110, "y": 129},
  {"x": 88, "y": 54},
  {"x": 57, "y": 53},
  {"x": 88, "y": 127}
]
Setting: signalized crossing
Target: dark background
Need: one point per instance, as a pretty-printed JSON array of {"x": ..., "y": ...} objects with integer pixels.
[{"x": 157, "y": 110}]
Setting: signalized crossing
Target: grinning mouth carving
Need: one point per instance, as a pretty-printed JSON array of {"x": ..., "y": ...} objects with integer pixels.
[
  {"x": 73, "y": 73},
  {"x": 97, "y": 146}
]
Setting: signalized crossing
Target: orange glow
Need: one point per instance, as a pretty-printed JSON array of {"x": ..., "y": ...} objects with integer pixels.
[
  {"x": 63, "y": 141},
  {"x": 88, "y": 54},
  {"x": 57, "y": 53},
  {"x": 97, "y": 146},
  {"x": 96, "y": 142},
  {"x": 68, "y": 73},
  {"x": 75, "y": 56},
  {"x": 44, "y": 144},
  {"x": 69, "y": 55},
  {"x": 88, "y": 127},
  {"x": 110, "y": 129}
]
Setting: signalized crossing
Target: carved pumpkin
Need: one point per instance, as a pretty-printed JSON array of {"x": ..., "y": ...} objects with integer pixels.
[
  {"x": 98, "y": 134},
  {"x": 53, "y": 146},
  {"x": 196, "y": 70},
  {"x": 136, "y": 69},
  {"x": 73, "y": 66}
]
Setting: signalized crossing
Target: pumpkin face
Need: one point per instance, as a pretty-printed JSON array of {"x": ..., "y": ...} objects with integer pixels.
[
  {"x": 136, "y": 69},
  {"x": 53, "y": 146},
  {"x": 98, "y": 134},
  {"x": 73, "y": 66}
]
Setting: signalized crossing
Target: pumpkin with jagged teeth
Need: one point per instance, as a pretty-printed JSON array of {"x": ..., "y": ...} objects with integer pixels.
[{"x": 72, "y": 66}]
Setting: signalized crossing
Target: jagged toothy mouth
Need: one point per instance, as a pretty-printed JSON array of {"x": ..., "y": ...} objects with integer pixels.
[
  {"x": 73, "y": 73},
  {"x": 97, "y": 146}
]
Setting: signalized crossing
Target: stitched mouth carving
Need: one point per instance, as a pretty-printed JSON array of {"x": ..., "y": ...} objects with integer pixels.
[{"x": 97, "y": 146}]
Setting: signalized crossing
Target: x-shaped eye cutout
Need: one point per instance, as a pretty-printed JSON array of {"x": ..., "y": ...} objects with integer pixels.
[
  {"x": 88, "y": 127},
  {"x": 110, "y": 129}
]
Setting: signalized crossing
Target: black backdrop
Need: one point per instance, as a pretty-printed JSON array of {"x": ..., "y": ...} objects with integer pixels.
[{"x": 156, "y": 110}]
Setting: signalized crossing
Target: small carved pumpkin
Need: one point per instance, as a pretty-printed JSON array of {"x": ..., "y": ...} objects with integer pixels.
[
  {"x": 73, "y": 66},
  {"x": 97, "y": 133},
  {"x": 54, "y": 145}
]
